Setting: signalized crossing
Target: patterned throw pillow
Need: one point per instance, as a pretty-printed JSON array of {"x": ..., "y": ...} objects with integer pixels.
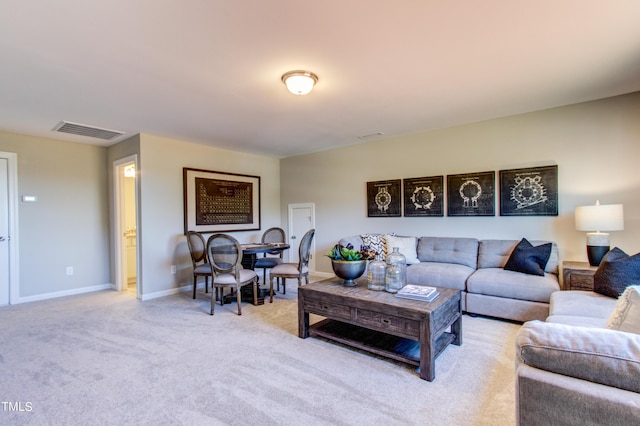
[
  {"x": 376, "y": 242},
  {"x": 626, "y": 316}
]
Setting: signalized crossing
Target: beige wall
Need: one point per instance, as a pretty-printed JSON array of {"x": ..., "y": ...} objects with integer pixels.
[
  {"x": 162, "y": 228},
  {"x": 69, "y": 223},
  {"x": 596, "y": 146}
]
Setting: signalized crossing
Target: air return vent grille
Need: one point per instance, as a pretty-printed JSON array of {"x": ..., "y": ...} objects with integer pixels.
[{"x": 84, "y": 130}]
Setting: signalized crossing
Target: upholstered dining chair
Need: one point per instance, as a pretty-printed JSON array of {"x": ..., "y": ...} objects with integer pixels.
[
  {"x": 270, "y": 259},
  {"x": 201, "y": 266},
  {"x": 225, "y": 256},
  {"x": 293, "y": 270}
]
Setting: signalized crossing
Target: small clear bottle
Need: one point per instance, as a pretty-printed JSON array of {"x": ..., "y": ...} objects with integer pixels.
[
  {"x": 376, "y": 274},
  {"x": 396, "y": 272}
]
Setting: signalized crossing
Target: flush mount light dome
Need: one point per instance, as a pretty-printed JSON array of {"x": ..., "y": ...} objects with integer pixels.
[{"x": 299, "y": 82}]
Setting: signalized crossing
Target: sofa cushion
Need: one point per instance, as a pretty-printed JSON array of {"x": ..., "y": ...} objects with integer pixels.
[
  {"x": 461, "y": 251},
  {"x": 514, "y": 285},
  {"x": 528, "y": 259},
  {"x": 602, "y": 356},
  {"x": 583, "y": 308},
  {"x": 437, "y": 274},
  {"x": 617, "y": 270},
  {"x": 626, "y": 315},
  {"x": 495, "y": 253},
  {"x": 406, "y": 245}
]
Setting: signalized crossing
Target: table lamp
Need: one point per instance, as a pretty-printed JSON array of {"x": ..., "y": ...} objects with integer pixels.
[{"x": 594, "y": 220}]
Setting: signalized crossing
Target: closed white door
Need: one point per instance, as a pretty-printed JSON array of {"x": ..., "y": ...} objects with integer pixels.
[
  {"x": 4, "y": 232},
  {"x": 301, "y": 219}
]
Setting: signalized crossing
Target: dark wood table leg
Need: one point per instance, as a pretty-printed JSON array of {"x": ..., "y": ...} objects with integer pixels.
[
  {"x": 456, "y": 329},
  {"x": 303, "y": 319},
  {"x": 427, "y": 351}
]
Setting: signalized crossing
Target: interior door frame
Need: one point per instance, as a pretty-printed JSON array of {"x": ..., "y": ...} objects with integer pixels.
[
  {"x": 12, "y": 198},
  {"x": 118, "y": 229},
  {"x": 312, "y": 208}
]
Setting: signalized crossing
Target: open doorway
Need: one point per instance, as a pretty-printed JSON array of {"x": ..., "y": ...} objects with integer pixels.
[{"x": 126, "y": 225}]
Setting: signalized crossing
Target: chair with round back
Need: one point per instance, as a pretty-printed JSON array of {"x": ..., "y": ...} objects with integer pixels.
[
  {"x": 294, "y": 270},
  {"x": 225, "y": 256},
  {"x": 201, "y": 267},
  {"x": 272, "y": 258}
]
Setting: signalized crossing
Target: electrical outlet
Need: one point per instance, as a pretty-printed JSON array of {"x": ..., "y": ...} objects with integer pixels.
[
  {"x": 69, "y": 270},
  {"x": 173, "y": 269}
]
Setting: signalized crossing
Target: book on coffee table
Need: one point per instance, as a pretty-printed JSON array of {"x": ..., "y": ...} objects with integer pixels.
[{"x": 418, "y": 292}]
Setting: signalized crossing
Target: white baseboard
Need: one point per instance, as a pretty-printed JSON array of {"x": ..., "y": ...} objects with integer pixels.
[
  {"x": 171, "y": 291},
  {"x": 64, "y": 293}
]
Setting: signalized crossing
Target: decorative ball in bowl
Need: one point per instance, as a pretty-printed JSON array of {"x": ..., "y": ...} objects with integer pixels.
[{"x": 349, "y": 270}]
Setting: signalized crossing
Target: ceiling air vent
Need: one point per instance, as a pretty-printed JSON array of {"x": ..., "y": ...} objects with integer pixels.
[{"x": 84, "y": 130}]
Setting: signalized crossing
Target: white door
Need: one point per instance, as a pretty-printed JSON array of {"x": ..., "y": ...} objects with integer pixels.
[
  {"x": 301, "y": 219},
  {"x": 4, "y": 232}
]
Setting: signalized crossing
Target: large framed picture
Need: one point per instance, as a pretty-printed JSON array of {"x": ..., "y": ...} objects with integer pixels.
[
  {"x": 220, "y": 202},
  {"x": 531, "y": 191},
  {"x": 423, "y": 196},
  {"x": 471, "y": 194},
  {"x": 383, "y": 198}
]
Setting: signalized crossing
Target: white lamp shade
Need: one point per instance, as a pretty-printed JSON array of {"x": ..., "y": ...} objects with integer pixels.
[
  {"x": 608, "y": 217},
  {"x": 300, "y": 82}
]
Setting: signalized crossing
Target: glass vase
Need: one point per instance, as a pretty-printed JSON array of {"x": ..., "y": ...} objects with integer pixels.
[
  {"x": 396, "y": 271},
  {"x": 376, "y": 274}
]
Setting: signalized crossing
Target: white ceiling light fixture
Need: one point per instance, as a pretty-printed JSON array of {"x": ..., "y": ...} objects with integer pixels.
[{"x": 299, "y": 82}]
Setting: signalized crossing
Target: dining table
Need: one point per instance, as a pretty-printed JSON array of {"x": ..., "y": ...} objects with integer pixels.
[{"x": 250, "y": 252}]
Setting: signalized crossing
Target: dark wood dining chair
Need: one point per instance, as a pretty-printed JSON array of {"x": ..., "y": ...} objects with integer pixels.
[
  {"x": 201, "y": 266},
  {"x": 293, "y": 270},
  {"x": 225, "y": 256},
  {"x": 272, "y": 258}
]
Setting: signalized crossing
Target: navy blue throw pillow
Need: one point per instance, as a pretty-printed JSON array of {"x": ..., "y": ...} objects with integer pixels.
[
  {"x": 528, "y": 259},
  {"x": 616, "y": 272}
]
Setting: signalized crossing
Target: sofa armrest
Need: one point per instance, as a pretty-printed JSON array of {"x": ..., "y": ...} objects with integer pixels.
[
  {"x": 544, "y": 398},
  {"x": 598, "y": 355}
]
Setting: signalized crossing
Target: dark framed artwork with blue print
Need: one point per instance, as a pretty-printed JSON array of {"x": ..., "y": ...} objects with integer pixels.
[
  {"x": 383, "y": 198},
  {"x": 471, "y": 194},
  {"x": 423, "y": 197},
  {"x": 529, "y": 191}
]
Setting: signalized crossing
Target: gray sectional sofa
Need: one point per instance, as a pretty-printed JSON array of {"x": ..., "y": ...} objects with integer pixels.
[
  {"x": 476, "y": 268},
  {"x": 572, "y": 370}
]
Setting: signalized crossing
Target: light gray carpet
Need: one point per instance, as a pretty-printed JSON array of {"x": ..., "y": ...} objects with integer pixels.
[{"x": 106, "y": 358}]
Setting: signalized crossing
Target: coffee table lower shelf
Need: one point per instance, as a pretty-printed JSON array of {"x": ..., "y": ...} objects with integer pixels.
[{"x": 383, "y": 344}]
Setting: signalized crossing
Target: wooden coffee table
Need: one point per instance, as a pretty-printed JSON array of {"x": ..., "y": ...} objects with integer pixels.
[{"x": 411, "y": 331}]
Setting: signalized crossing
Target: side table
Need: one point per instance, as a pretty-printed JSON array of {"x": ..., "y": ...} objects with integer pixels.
[{"x": 578, "y": 276}]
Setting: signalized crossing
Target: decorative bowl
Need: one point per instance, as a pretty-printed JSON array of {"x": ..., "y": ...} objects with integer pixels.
[{"x": 348, "y": 270}]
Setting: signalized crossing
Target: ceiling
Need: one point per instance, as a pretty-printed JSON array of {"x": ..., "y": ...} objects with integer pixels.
[{"x": 208, "y": 71}]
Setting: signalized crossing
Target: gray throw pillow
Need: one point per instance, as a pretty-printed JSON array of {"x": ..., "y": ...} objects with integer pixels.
[
  {"x": 616, "y": 272},
  {"x": 528, "y": 259}
]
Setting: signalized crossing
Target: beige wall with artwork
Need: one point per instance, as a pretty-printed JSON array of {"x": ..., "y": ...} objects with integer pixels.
[
  {"x": 161, "y": 199},
  {"x": 596, "y": 146}
]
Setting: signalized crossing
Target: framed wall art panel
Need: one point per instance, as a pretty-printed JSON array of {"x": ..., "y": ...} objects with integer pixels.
[
  {"x": 531, "y": 191},
  {"x": 383, "y": 198},
  {"x": 424, "y": 196},
  {"x": 471, "y": 194},
  {"x": 220, "y": 202}
]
